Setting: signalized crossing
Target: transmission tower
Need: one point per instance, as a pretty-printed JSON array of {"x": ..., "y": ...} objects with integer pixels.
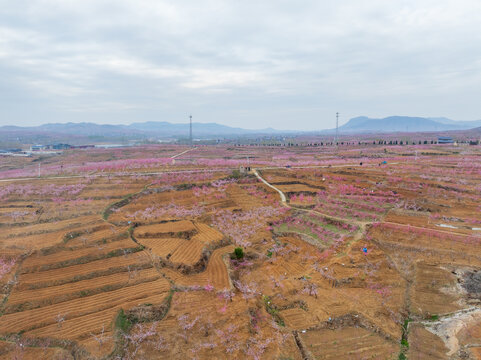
[
  {"x": 337, "y": 127},
  {"x": 190, "y": 134}
]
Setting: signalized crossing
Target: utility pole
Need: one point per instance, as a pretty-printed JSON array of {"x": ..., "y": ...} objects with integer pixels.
[
  {"x": 337, "y": 127},
  {"x": 38, "y": 169},
  {"x": 190, "y": 136}
]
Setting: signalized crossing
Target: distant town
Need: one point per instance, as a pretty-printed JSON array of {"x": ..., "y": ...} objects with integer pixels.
[
  {"x": 58, "y": 148},
  {"x": 53, "y": 149}
]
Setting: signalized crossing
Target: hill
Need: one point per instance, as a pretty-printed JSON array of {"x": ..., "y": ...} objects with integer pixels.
[
  {"x": 86, "y": 132},
  {"x": 365, "y": 124},
  {"x": 74, "y": 133},
  {"x": 146, "y": 128}
]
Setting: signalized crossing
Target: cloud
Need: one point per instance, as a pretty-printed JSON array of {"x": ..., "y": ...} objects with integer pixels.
[{"x": 271, "y": 63}]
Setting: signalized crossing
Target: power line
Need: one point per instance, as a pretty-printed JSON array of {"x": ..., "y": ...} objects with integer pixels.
[
  {"x": 337, "y": 127},
  {"x": 190, "y": 136}
]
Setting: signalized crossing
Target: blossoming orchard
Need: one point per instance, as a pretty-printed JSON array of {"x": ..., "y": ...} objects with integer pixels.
[{"x": 361, "y": 251}]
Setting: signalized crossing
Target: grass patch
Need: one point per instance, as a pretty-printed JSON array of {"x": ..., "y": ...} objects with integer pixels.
[
  {"x": 272, "y": 310},
  {"x": 121, "y": 203},
  {"x": 184, "y": 186},
  {"x": 284, "y": 229},
  {"x": 72, "y": 235},
  {"x": 122, "y": 322},
  {"x": 404, "y": 339}
]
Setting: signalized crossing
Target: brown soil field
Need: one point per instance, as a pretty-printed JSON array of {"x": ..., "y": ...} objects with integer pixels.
[
  {"x": 87, "y": 330},
  {"x": 162, "y": 247},
  {"x": 74, "y": 272},
  {"x": 425, "y": 345},
  {"x": 433, "y": 291},
  {"x": 12, "y": 350},
  {"x": 178, "y": 251},
  {"x": 297, "y": 188},
  {"x": 348, "y": 343},
  {"x": 59, "y": 293},
  {"x": 215, "y": 274},
  {"x": 156, "y": 230},
  {"x": 42, "y": 236},
  {"x": 50, "y": 227},
  {"x": 96, "y": 236},
  {"x": 80, "y": 327},
  {"x": 425, "y": 222},
  {"x": 241, "y": 198},
  {"x": 112, "y": 191},
  {"x": 299, "y": 319},
  {"x": 207, "y": 234},
  {"x": 188, "y": 252},
  {"x": 44, "y": 316},
  {"x": 38, "y": 260},
  {"x": 432, "y": 247},
  {"x": 269, "y": 342}
]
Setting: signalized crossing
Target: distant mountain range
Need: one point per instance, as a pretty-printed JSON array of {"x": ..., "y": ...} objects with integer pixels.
[
  {"x": 145, "y": 129},
  {"x": 364, "y": 124},
  {"x": 81, "y": 133},
  {"x": 85, "y": 133}
]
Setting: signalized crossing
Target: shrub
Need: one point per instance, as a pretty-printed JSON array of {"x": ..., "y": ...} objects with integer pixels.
[
  {"x": 122, "y": 322},
  {"x": 239, "y": 253},
  {"x": 185, "y": 186},
  {"x": 236, "y": 174}
]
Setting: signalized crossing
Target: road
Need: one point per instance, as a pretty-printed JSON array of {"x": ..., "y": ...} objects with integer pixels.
[
  {"x": 283, "y": 197},
  {"x": 194, "y": 170},
  {"x": 182, "y": 153}
]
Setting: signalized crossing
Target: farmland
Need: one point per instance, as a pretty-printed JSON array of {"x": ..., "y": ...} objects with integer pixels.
[{"x": 357, "y": 252}]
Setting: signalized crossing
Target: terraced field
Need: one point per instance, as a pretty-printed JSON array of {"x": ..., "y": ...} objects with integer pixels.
[
  {"x": 215, "y": 274},
  {"x": 379, "y": 261},
  {"x": 186, "y": 249},
  {"x": 348, "y": 343}
]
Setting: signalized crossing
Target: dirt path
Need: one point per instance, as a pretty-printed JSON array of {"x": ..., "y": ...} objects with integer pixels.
[
  {"x": 283, "y": 197},
  {"x": 182, "y": 153},
  {"x": 194, "y": 170},
  {"x": 429, "y": 229}
]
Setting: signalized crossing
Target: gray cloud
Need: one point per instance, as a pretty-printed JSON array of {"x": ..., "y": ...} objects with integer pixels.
[{"x": 246, "y": 63}]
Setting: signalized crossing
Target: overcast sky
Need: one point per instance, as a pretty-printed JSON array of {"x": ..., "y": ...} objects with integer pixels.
[{"x": 253, "y": 64}]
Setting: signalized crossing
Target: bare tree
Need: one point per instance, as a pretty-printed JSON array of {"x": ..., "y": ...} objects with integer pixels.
[
  {"x": 101, "y": 338},
  {"x": 60, "y": 318}
]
